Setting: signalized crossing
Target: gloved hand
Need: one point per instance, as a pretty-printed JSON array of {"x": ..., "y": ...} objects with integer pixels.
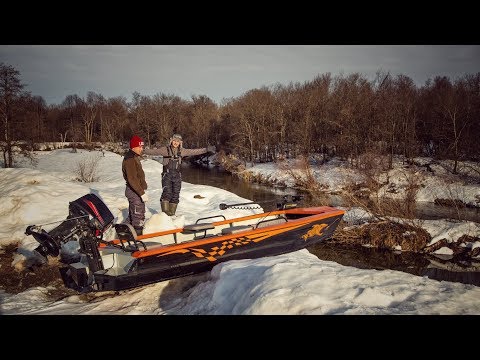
[
  {"x": 144, "y": 197},
  {"x": 211, "y": 148}
]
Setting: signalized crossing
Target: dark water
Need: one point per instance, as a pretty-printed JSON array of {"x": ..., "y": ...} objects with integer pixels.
[
  {"x": 430, "y": 211},
  {"x": 358, "y": 256},
  {"x": 196, "y": 174},
  {"x": 431, "y": 266}
]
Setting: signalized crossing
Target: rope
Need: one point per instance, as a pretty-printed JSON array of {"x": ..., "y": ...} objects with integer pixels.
[{"x": 245, "y": 207}]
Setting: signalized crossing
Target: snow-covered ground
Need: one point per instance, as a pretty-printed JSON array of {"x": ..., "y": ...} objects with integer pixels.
[{"x": 294, "y": 283}]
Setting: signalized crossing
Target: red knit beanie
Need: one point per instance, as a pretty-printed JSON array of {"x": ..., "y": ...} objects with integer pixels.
[{"x": 135, "y": 141}]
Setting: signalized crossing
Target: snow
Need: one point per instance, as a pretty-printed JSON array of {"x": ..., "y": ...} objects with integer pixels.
[
  {"x": 297, "y": 283},
  {"x": 451, "y": 231},
  {"x": 334, "y": 175}
]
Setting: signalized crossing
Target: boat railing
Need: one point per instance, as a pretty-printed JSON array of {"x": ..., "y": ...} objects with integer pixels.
[{"x": 210, "y": 217}]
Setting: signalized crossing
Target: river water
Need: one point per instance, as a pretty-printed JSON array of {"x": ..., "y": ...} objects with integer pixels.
[{"x": 438, "y": 268}]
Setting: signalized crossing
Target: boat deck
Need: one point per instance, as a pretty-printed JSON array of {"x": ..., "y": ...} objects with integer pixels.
[{"x": 202, "y": 233}]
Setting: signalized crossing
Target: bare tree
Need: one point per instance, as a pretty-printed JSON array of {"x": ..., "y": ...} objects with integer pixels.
[
  {"x": 91, "y": 109},
  {"x": 143, "y": 112},
  {"x": 32, "y": 117},
  {"x": 164, "y": 108},
  {"x": 453, "y": 105},
  {"x": 242, "y": 129},
  {"x": 72, "y": 110},
  {"x": 352, "y": 102},
  {"x": 115, "y": 117},
  {"x": 406, "y": 94},
  {"x": 203, "y": 115},
  {"x": 472, "y": 132},
  {"x": 10, "y": 90},
  {"x": 282, "y": 96}
]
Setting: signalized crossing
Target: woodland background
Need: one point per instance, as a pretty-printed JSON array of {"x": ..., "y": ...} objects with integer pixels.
[{"x": 346, "y": 116}]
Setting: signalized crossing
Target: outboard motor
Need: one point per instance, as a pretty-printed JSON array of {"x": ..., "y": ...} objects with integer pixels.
[{"x": 88, "y": 218}]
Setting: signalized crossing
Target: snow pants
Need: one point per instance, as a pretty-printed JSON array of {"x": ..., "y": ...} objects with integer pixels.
[
  {"x": 171, "y": 184},
  {"x": 136, "y": 208}
]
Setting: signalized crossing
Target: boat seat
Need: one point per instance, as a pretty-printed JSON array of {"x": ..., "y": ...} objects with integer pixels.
[
  {"x": 193, "y": 228},
  {"x": 126, "y": 232},
  {"x": 128, "y": 236},
  {"x": 196, "y": 228},
  {"x": 270, "y": 222},
  {"x": 235, "y": 229}
]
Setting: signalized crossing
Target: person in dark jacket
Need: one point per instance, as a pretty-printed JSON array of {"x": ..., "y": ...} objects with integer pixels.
[
  {"x": 171, "y": 175},
  {"x": 135, "y": 184}
]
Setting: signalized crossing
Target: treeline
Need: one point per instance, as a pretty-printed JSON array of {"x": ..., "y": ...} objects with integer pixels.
[{"x": 345, "y": 115}]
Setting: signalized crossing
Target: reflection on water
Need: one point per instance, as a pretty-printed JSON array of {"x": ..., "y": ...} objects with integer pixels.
[
  {"x": 465, "y": 277},
  {"x": 196, "y": 174},
  {"x": 417, "y": 264},
  {"x": 357, "y": 256},
  {"x": 430, "y": 211}
]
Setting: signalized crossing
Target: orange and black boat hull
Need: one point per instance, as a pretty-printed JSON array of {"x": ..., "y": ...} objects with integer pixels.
[{"x": 188, "y": 259}]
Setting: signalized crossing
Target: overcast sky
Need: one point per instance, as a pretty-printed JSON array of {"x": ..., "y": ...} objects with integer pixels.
[{"x": 218, "y": 71}]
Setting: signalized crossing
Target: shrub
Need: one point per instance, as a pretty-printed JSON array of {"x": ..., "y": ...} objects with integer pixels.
[{"x": 86, "y": 169}]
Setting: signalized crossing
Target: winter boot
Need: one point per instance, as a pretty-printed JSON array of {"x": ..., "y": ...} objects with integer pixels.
[
  {"x": 164, "y": 204},
  {"x": 138, "y": 230},
  {"x": 173, "y": 208}
]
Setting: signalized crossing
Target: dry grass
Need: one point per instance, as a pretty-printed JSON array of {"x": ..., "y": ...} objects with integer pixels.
[
  {"x": 369, "y": 198},
  {"x": 385, "y": 235},
  {"x": 230, "y": 163},
  {"x": 304, "y": 179},
  {"x": 20, "y": 278},
  {"x": 372, "y": 166}
]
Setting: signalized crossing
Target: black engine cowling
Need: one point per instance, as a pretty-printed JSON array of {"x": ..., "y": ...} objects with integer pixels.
[{"x": 88, "y": 217}]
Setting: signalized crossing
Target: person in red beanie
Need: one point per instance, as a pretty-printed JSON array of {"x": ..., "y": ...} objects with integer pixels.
[{"x": 135, "y": 184}]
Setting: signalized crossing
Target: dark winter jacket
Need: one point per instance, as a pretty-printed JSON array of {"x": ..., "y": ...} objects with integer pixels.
[
  {"x": 173, "y": 156},
  {"x": 133, "y": 172}
]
